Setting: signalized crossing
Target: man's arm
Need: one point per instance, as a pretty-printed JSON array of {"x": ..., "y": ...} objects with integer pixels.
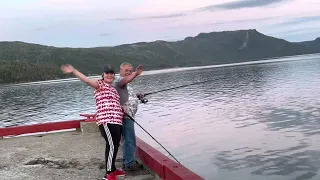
[
  {"x": 69, "y": 69},
  {"x": 127, "y": 79}
]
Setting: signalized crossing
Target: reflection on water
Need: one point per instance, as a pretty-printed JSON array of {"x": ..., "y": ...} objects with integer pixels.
[
  {"x": 296, "y": 163},
  {"x": 290, "y": 120},
  {"x": 43, "y": 103},
  {"x": 256, "y": 121}
]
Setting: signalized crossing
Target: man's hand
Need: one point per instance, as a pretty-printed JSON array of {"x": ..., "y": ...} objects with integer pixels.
[
  {"x": 127, "y": 79},
  {"x": 67, "y": 68},
  {"x": 124, "y": 109},
  {"x": 140, "y": 96},
  {"x": 139, "y": 70}
]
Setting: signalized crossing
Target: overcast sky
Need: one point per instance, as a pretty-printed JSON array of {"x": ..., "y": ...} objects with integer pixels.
[{"x": 89, "y": 23}]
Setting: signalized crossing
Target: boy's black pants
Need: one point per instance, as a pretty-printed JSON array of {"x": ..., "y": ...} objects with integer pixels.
[{"x": 112, "y": 135}]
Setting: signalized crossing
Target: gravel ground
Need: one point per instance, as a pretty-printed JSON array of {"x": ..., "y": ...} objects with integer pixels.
[{"x": 58, "y": 156}]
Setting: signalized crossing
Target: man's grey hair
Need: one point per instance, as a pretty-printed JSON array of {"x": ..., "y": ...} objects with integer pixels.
[{"x": 125, "y": 64}]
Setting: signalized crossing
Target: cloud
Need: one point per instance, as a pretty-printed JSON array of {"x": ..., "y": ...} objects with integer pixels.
[
  {"x": 40, "y": 29},
  {"x": 256, "y": 20},
  {"x": 293, "y": 25},
  {"x": 244, "y": 21},
  {"x": 104, "y": 34},
  {"x": 295, "y": 21},
  {"x": 297, "y": 31},
  {"x": 240, "y": 5},
  {"x": 152, "y": 17}
]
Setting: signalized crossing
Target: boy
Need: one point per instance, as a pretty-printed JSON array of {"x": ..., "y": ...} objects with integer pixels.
[{"x": 109, "y": 114}]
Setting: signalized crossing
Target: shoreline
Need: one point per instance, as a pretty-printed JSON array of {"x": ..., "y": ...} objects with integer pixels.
[{"x": 177, "y": 69}]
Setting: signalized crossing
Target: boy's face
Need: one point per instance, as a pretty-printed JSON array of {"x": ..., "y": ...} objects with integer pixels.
[{"x": 108, "y": 77}]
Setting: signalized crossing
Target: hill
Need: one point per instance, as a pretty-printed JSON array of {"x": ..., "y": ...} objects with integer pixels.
[
  {"x": 314, "y": 46},
  {"x": 203, "y": 49}
]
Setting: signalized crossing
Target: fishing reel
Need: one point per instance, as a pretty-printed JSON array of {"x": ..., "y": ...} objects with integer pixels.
[{"x": 142, "y": 98}]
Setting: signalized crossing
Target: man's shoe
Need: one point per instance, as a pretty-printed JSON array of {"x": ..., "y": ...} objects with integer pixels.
[{"x": 135, "y": 167}]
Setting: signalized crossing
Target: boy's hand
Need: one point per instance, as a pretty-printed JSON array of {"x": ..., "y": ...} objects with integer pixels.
[
  {"x": 139, "y": 69},
  {"x": 67, "y": 68}
]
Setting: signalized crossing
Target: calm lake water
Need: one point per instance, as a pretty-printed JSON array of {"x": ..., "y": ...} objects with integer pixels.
[{"x": 259, "y": 121}]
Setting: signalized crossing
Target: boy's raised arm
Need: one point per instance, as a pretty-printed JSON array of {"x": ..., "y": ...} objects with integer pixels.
[{"x": 67, "y": 68}]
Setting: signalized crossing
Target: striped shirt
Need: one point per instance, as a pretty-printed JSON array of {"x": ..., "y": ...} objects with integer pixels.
[{"x": 107, "y": 104}]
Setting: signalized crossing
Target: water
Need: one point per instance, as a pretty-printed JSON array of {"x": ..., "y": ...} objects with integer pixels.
[{"x": 259, "y": 121}]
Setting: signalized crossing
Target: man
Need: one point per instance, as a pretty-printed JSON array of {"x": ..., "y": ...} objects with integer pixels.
[{"x": 129, "y": 101}]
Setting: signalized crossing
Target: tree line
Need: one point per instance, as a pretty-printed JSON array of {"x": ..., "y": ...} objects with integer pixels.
[{"x": 22, "y": 71}]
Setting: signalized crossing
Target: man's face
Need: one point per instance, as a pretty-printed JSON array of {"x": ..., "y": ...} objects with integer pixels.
[{"x": 126, "y": 70}]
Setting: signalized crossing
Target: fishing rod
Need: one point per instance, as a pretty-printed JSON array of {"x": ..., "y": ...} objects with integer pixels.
[
  {"x": 177, "y": 87},
  {"x": 145, "y": 100},
  {"x": 131, "y": 118}
]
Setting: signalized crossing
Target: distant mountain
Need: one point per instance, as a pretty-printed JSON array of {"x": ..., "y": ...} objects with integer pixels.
[
  {"x": 313, "y": 46},
  {"x": 203, "y": 49}
]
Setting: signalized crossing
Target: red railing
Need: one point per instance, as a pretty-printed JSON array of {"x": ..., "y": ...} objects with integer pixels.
[{"x": 36, "y": 128}]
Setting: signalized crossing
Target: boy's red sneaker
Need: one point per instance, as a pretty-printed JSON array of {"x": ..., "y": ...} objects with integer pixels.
[
  {"x": 119, "y": 173},
  {"x": 110, "y": 176}
]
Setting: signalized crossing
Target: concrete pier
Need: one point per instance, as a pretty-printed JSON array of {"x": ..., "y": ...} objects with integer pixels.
[
  {"x": 77, "y": 153},
  {"x": 69, "y": 155}
]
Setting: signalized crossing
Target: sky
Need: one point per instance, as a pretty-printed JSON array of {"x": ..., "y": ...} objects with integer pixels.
[{"x": 84, "y": 23}]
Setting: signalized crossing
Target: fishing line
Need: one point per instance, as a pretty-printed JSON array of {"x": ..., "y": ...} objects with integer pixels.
[{"x": 151, "y": 136}]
